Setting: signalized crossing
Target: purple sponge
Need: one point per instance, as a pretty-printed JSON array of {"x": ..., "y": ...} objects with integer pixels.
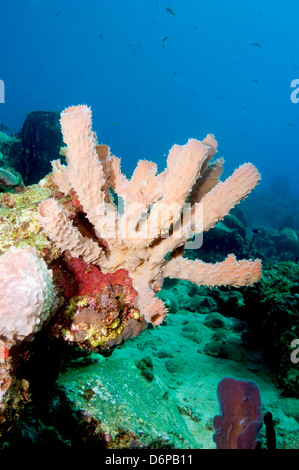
[{"x": 241, "y": 418}]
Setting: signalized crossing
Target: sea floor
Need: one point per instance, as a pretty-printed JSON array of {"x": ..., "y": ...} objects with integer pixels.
[{"x": 159, "y": 389}]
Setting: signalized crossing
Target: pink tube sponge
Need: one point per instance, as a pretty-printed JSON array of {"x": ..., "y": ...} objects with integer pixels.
[
  {"x": 241, "y": 418},
  {"x": 160, "y": 212}
]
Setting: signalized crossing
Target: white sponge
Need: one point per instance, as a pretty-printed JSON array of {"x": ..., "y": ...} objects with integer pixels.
[{"x": 26, "y": 293}]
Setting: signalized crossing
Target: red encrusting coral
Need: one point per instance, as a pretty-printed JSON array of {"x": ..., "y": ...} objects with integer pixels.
[
  {"x": 75, "y": 201},
  {"x": 4, "y": 352},
  {"x": 99, "y": 311},
  {"x": 78, "y": 278}
]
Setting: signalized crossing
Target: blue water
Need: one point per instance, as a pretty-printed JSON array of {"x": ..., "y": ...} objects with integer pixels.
[{"x": 154, "y": 79}]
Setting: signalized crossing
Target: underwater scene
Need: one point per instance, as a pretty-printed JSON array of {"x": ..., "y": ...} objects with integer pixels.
[{"x": 149, "y": 227}]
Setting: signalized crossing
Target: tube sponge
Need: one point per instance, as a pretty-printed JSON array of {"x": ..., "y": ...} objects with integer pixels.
[
  {"x": 67, "y": 237},
  {"x": 159, "y": 215},
  {"x": 27, "y": 293},
  {"x": 241, "y": 417}
]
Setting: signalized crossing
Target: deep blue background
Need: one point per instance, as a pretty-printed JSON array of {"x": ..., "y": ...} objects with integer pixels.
[{"x": 147, "y": 93}]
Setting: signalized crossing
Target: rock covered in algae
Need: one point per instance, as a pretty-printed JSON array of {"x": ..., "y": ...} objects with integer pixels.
[
  {"x": 19, "y": 222},
  {"x": 10, "y": 180},
  {"x": 31, "y": 150},
  {"x": 130, "y": 411},
  {"x": 10, "y": 150}
]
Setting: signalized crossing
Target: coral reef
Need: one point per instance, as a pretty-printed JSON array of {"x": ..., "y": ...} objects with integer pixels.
[
  {"x": 41, "y": 139},
  {"x": 10, "y": 150},
  {"x": 272, "y": 306},
  {"x": 30, "y": 150},
  {"x": 168, "y": 369},
  {"x": 20, "y": 227},
  {"x": 170, "y": 363},
  {"x": 154, "y": 221},
  {"x": 68, "y": 248}
]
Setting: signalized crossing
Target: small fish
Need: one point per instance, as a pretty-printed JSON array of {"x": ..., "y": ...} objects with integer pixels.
[
  {"x": 165, "y": 39},
  {"x": 58, "y": 13},
  {"x": 256, "y": 230},
  {"x": 131, "y": 46},
  {"x": 256, "y": 44},
  {"x": 256, "y": 81},
  {"x": 111, "y": 286},
  {"x": 169, "y": 11},
  {"x": 100, "y": 36}
]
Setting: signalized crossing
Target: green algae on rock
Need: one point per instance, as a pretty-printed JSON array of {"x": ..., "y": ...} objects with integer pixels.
[
  {"x": 20, "y": 226},
  {"x": 131, "y": 412}
]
